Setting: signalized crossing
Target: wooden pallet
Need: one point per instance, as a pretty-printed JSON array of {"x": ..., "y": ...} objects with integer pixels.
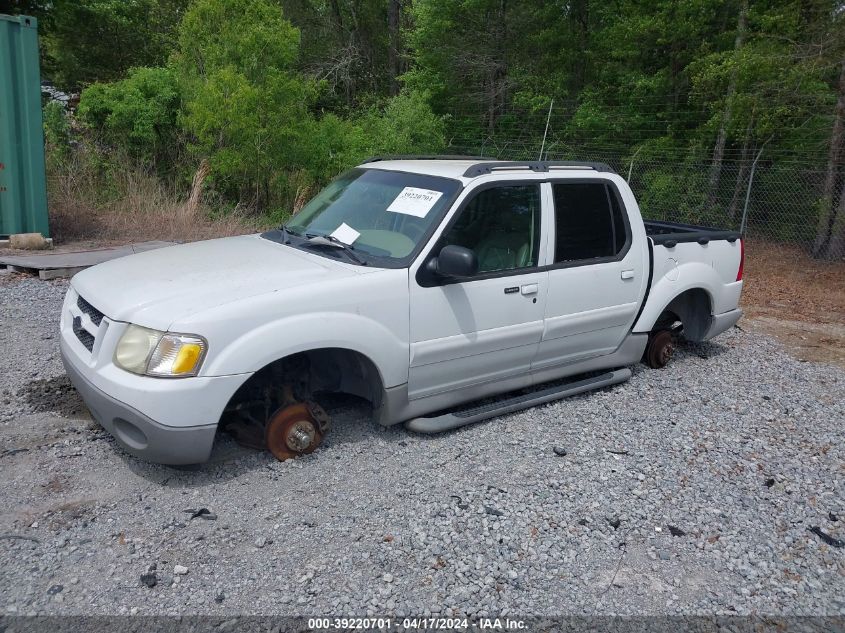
[{"x": 58, "y": 265}]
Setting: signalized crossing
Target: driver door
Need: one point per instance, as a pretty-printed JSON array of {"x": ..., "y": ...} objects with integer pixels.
[{"x": 483, "y": 329}]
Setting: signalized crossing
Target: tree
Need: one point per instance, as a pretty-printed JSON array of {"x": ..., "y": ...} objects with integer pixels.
[
  {"x": 244, "y": 104},
  {"x": 37, "y": 8},
  {"x": 768, "y": 89},
  {"x": 830, "y": 233},
  {"x": 279, "y": 95},
  {"x": 85, "y": 41},
  {"x": 722, "y": 136},
  {"x": 466, "y": 53},
  {"x": 349, "y": 45},
  {"x": 394, "y": 14},
  {"x": 406, "y": 125},
  {"x": 137, "y": 114}
]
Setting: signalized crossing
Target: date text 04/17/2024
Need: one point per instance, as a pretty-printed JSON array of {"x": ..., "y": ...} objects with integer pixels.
[{"x": 416, "y": 624}]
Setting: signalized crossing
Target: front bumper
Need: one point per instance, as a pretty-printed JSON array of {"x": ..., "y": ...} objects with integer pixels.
[
  {"x": 138, "y": 434},
  {"x": 169, "y": 421}
]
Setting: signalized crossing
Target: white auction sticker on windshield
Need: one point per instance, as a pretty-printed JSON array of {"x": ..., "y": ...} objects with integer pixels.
[
  {"x": 414, "y": 201},
  {"x": 346, "y": 233}
]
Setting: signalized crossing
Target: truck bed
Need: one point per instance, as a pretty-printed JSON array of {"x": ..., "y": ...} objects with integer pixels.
[{"x": 670, "y": 233}]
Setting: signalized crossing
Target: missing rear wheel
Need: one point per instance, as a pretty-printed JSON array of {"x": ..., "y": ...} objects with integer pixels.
[{"x": 659, "y": 350}]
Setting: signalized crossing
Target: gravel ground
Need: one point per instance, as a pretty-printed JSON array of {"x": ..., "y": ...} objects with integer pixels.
[{"x": 688, "y": 490}]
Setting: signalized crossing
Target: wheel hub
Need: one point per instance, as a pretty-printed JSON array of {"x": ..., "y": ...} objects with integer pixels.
[
  {"x": 666, "y": 353},
  {"x": 659, "y": 349},
  {"x": 296, "y": 429},
  {"x": 300, "y": 436}
]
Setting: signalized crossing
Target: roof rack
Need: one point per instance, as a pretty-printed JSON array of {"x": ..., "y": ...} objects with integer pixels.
[
  {"x": 376, "y": 159},
  {"x": 481, "y": 169}
]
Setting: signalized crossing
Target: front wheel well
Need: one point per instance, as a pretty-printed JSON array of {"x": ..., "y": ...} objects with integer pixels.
[
  {"x": 324, "y": 370},
  {"x": 693, "y": 308}
]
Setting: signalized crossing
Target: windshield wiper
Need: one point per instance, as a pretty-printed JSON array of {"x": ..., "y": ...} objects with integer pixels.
[
  {"x": 286, "y": 232},
  {"x": 331, "y": 241}
]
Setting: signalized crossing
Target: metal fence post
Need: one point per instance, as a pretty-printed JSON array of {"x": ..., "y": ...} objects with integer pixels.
[
  {"x": 742, "y": 224},
  {"x": 631, "y": 166},
  {"x": 548, "y": 119}
]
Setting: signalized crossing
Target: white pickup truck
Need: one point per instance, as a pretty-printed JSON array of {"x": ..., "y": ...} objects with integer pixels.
[{"x": 422, "y": 284}]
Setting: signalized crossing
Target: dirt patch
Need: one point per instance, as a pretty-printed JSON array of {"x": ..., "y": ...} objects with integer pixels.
[
  {"x": 68, "y": 513},
  {"x": 56, "y": 484},
  {"x": 816, "y": 342},
  {"x": 55, "y": 395},
  {"x": 784, "y": 282},
  {"x": 796, "y": 299}
]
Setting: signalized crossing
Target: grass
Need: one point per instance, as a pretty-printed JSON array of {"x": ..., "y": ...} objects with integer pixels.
[{"x": 127, "y": 204}]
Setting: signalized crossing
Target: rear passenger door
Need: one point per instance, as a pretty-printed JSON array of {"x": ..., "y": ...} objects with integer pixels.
[{"x": 597, "y": 274}]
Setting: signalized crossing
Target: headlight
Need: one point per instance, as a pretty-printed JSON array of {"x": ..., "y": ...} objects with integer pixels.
[
  {"x": 145, "y": 351},
  {"x": 135, "y": 348}
]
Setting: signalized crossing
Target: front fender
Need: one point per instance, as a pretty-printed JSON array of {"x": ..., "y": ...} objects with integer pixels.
[
  {"x": 673, "y": 282},
  {"x": 316, "y": 330}
]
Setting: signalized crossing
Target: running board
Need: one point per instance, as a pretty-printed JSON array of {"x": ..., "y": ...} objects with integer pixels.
[{"x": 448, "y": 421}]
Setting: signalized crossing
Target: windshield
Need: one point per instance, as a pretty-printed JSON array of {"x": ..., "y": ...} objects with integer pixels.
[{"x": 379, "y": 213}]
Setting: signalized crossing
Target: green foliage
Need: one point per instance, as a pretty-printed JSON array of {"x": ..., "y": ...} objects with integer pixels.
[
  {"x": 56, "y": 132},
  {"x": 137, "y": 114},
  {"x": 627, "y": 72},
  {"x": 85, "y": 41},
  {"x": 233, "y": 93},
  {"x": 250, "y": 36},
  {"x": 281, "y": 95},
  {"x": 250, "y": 112},
  {"x": 248, "y": 131},
  {"x": 467, "y": 56},
  {"x": 245, "y": 107},
  {"x": 345, "y": 44},
  {"x": 406, "y": 125},
  {"x": 333, "y": 144},
  {"x": 763, "y": 103}
]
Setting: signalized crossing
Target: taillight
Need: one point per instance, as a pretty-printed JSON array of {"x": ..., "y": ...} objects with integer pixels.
[{"x": 741, "y": 260}]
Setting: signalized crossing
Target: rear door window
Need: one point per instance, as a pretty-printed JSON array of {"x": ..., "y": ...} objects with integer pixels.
[{"x": 589, "y": 222}]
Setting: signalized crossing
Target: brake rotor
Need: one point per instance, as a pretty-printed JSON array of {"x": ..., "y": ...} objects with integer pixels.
[
  {"x": 660, "y": 349},
  {"x": 296, "y": 429}
]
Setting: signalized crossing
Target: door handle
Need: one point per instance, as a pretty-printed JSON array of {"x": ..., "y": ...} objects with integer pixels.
[
  {"x": 627, "y": 274},
  {"x": 529, "y": 289}
]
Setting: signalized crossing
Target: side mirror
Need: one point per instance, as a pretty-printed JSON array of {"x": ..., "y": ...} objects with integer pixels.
[{"x": 455, "y": 261}]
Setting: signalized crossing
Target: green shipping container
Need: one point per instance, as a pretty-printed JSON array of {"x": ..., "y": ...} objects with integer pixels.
[{"x": 23, "y": 181}]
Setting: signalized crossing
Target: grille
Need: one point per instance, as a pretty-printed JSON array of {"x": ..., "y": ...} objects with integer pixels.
[
  {"x": 95, "y": 315},
  {"x": 85, "y": 337}
]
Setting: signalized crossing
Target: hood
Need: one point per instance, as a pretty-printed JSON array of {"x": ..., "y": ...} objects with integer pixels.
[{"x": 158, "y": 287}]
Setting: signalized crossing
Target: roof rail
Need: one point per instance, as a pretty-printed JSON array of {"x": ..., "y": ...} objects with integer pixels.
[
  {"x": 376, "y": 159},
  {"x": 481, "y": 169}
]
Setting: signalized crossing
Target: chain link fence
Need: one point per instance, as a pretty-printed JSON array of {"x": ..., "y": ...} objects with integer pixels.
[
  {"x": 778, "y": 202},
  {"x": 773, "y": 197}
]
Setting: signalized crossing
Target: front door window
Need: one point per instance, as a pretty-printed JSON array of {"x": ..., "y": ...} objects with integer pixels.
[{"x": 502, "y": 226}]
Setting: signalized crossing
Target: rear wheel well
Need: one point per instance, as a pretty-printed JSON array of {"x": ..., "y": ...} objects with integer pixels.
[
  {"x": 325, "y": 370},
  {"x": 693, "y": 308}
]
